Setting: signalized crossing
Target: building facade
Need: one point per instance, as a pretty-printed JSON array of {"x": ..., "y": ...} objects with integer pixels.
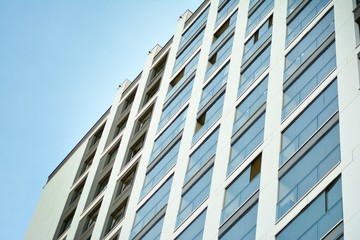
[{"x": 245, "y": 125}]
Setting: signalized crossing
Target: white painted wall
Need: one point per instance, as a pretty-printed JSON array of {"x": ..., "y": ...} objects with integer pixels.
[{"x": 52, "y": 201}]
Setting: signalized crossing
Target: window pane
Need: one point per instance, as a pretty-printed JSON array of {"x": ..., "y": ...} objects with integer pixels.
[
  {"x": 250, "y": 104},
  {"x": 309, "y": 80},
  {"x": 151, "y": 207},
  {"x": 176, "y": 103},
  {"x": 308, "y": 171},
  {"x": 292, "y": 4},
  {"x": 155, "y": 232},
  {"x": 189, "y": 50},
  {"x": 312, "y": 40},
  {"x": 194, "y": 27},
  {"x": 202, "y": 155},
  {"x": 208, "y": 118},
  {"x": 256, "y": 17},
  {"x": 246, "y": 143},
  {"x": 258, "y": 38},
  {"x": 309, "y": 121},
  {"x": 195, "y": 230},
  {"x": 244, "y": 228},
  {"x": 214, "y": 85},
  {"x": 194, "y": 197},
  {"x": 254, "y": 70},
  {"x": 168, "y": 134},
  {"x": 184, "y": 74},
  {"x": 160, "y": 169},
  {"x": 224, "y": 10},
  {"x": 303, "y": 18},
  {"x": 252, "y": 3},
  {"x": 241, "y": 189},
  {"x": 223, "y": 31},
  {"x": 316, "y": 220},
  {"x": 219, "y": 57}
]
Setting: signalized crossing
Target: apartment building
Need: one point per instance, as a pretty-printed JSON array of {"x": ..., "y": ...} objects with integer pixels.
[{"x": 245, "y": 125}]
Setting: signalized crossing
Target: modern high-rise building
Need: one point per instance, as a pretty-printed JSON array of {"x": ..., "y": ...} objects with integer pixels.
[{"x": 245, "y": 125}]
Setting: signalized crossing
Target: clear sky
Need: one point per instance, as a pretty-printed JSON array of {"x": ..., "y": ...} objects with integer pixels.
[{"x": 60, "y": 64}]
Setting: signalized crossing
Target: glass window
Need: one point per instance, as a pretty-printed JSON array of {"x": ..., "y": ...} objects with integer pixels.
[
  {"x": 195, "y": 230},
  {"x": 120, "y": 126},
  {"x": 318, "y": 218},
  {"x": 208, "y": 118},
  {"x": 157, "y": 69},
  {"x": 214, "y": 85},
  {"x": 303, "y": 18},
  {"x": 312, "y": 167},
  {"x": 127, "y": 103},
  {"x": 168, "y": 134},
  {"x": 91, "y": 218},
  {"x": 252, "y": 3},
  {"x": 190, "y": 31},
  {"x": 117, "y": 216},
  {"x": 219, "y": 56},
  {"x": 96, "y": 137},
  {"x": 225, "y": 9},
  {"x": 309, "y": 121},
  {"x": 244, "y": 228},
  {"x": 292, "y": 4},
  {"x": 309, "y": 43},
  {"x": 151, "y": 207},
  {"x": 250, "y": 104},
  {"x": 172, "y": 107},
  {"x": 246, "y": 143},
  {"x": 155, "y": 232},
  {"x": 102, "y": 184},
  {"x": 87, "y": 163},
  {"x": 188, "y": 50},
  {"x": 75, "y": 195},
  {"x": 66, "y": 223},
  {"x": 202, "y": 155},
  {"x": 126, "y": 182},
  {"x": 223, "y": 31},
  {"x": 193, "y": 198},
  {"x": 182, "y": 76},
  {"x": 135, "y": 148},
  {"x": 151, "y": 92},
  {"x": 156, "y": 173},
  {"x": 110, "y": 157},
  {"x": 308, "y": 80},
  {"x": 256, "y": 16},
  {"x": 257, "y": 39},
  {"x": 144, "y": 121},
  {"x": 241, "y": 189},
  {"x": 254, "y": 70}
]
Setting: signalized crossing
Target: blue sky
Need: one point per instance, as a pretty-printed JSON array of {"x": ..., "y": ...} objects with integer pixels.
[{"x": 60, "y": 65}]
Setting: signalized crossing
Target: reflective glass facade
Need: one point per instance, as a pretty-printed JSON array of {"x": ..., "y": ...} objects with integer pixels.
[
  {"x": 309, "y": 170},
  {"x": 254, "y": 70},
  {"x": 319, "y": 217},
  {"x": 310, "y": 121},
  {"x": 244, "y": 227},
  {"x": 151, "y": 207},
  {"x": 308, "y": 44},
  {"x": 162, "y": 166},
  {"x": 246, "y": 143},
  {"x": 194, "y": 196},
  {"x": 308, "y": 80},
  {"x": 195, "y": 230},
  {"x": 202, "y": 155}
]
